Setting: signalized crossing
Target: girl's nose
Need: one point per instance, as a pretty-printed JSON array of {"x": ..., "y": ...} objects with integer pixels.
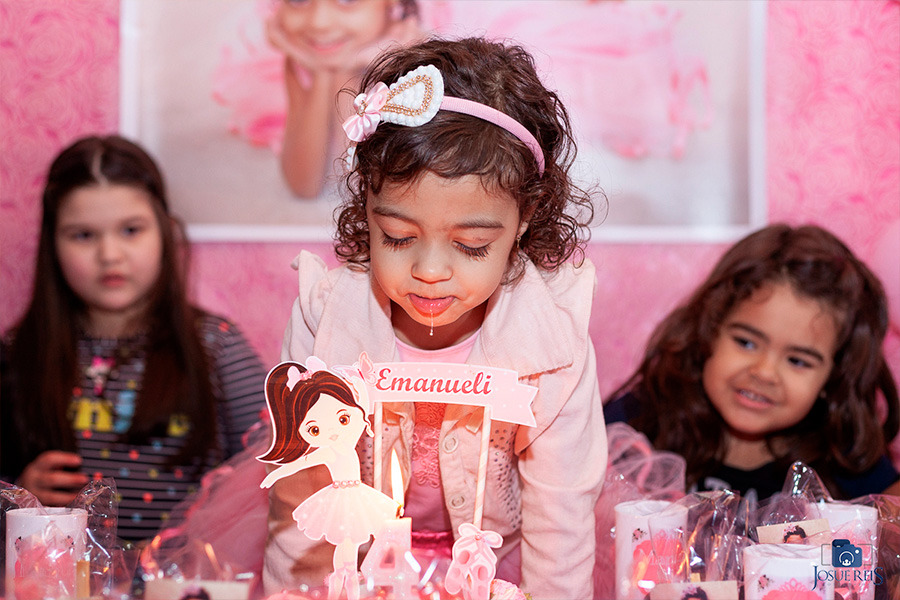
[
  {"x": 109, "y": 249},
  {"x": 322, "y": 15},
  {"x": 765, "y": 368},
  {"x": 432, "y": 265}
]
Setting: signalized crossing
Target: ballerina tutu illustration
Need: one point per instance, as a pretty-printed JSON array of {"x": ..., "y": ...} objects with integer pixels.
[{"x": 317, "y": 418}]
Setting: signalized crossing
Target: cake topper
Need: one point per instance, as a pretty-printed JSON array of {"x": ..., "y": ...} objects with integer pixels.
[{"x": 317, "y": 418}]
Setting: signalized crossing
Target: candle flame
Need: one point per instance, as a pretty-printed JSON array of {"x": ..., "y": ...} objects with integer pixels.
[{"x": 397, "y": 482}]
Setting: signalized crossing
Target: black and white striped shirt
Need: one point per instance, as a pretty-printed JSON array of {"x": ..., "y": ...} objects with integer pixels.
[{"x": 102, "y": 407}]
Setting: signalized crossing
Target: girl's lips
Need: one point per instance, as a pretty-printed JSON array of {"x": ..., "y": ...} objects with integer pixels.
[
  {"x": 112, "y": 280},
  {"x": 430, "y": 306},
  {"x": 753, "y": 400},
  {"x": 326, "y": 47}
]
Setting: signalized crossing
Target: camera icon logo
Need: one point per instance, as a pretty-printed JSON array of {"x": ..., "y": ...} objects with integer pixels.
[{"x": 845, "y": 554}]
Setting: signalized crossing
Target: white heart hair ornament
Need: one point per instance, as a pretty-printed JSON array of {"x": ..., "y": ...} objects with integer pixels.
[{"x": 413, "y": 100}]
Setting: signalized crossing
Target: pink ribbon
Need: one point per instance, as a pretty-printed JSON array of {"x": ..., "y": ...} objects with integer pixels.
[
  {"x": 368, "y": 106},
  {"x": 474, "y": 563}
]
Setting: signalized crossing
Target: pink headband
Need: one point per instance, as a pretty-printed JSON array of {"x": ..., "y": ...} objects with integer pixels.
[{"x": 415, "y": 98}]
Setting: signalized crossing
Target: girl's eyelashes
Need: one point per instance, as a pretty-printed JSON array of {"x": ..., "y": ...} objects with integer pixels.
[
  {"x": 479, "y": 252},
  {"x": 135, "y": 226},
  {"x": 470, "y": 251},
  {"x": 800, "y": 362},
  {"x": 81, "y": 235},
  {"x": 743, "y": 342},
  {"x": 395, "y": 243}
]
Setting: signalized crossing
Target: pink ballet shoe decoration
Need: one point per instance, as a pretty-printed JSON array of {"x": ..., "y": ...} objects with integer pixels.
[{"x": 474, "y": 563}]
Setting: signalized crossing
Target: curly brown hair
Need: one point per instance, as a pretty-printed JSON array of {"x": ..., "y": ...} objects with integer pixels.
[
  {"x": 452, "y": 145},
  {"x": 840, "y": 436}
]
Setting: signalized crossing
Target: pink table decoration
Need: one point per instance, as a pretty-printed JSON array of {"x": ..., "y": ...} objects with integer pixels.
[
  {"x": 333, "y": 412},
  {"x": 474, "y": 563},
  {"x": 333, "y": 408},
  {"x": 648, "y": 544},
  {"x": 502, "y": 397}
]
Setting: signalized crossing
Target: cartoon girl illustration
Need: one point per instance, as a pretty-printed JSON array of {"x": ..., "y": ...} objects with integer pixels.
[{"x": 317, "y": 419}]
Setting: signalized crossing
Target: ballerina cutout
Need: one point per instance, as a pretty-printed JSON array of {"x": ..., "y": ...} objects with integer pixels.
[{"x": 317, "y": 418}]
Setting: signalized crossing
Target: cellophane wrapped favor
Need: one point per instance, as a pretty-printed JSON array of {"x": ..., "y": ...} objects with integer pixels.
[
  {"x": 635, "y": 471},
  {"x": 51, "y": 552}
]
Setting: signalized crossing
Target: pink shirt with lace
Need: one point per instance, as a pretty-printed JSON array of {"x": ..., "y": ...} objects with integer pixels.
[{"x": 425, "y": 494}]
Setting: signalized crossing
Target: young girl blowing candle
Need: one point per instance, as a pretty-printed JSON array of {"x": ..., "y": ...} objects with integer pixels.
[
  {"x": 111, "y": 372},
  {"x": 457, "y": 235},
  {"x": 776, "y": 357}
]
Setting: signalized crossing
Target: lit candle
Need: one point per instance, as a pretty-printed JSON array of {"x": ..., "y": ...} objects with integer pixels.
[{"x": 389, "y": 562}]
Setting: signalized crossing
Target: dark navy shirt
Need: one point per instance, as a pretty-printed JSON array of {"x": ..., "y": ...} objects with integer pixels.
[{"x": 769, "y": 478}]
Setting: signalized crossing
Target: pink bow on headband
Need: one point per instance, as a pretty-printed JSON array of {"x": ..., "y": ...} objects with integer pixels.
[{"x": 368, "y": 106}]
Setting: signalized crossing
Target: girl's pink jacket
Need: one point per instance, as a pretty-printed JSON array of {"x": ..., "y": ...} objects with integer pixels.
[{"x": 543, "y": 481}]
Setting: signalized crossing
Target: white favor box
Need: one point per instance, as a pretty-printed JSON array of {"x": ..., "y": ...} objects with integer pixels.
[{"x": 33, "y": 535}]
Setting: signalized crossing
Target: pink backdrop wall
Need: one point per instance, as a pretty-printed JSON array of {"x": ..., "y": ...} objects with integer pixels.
[{"x": 833, "y": 158}]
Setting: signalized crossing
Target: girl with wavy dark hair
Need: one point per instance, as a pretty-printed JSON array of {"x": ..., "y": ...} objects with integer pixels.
[{"x": 775, "y": 358}]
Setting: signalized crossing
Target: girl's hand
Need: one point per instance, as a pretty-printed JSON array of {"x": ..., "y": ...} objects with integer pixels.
[
  {"x": 53, "y": 477},
  {"x": 280, "y": 39}
]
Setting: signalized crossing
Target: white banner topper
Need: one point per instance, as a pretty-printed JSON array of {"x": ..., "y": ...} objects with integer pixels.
[{"x": 499, "y": 389}]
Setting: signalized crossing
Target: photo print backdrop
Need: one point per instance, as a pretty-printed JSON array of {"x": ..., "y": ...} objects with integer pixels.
[{"x": 666, "y": 99}]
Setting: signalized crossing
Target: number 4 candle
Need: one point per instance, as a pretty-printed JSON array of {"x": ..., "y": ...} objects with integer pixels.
[{"x": 389, "y": 562}]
